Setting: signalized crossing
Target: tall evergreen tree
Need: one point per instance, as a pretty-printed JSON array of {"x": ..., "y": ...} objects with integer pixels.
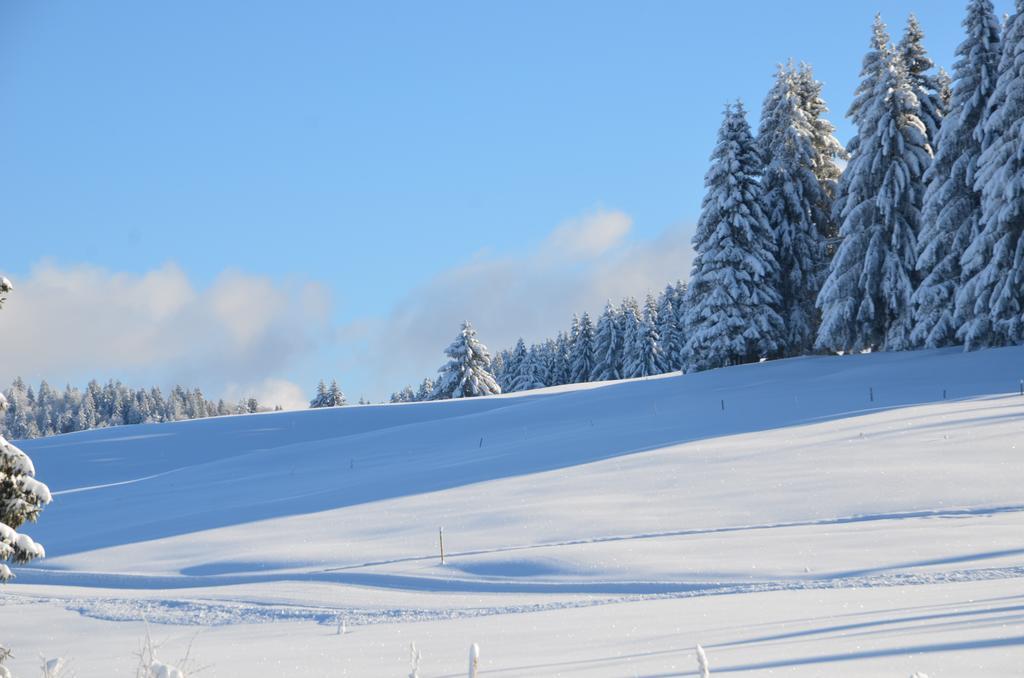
[
  {"x": 792, "y": 197},
  {"x": 874, "y": 66},
  {"x": 514, "y": 366},
  {"x": 731, "y": 315},
  {"x": 561, "y": 371},
  {"x": 828, "y": 152},
  {"x": 335, "y": 397},
  {"x": 952, "y": 205},
  {"x": 669, "y": 329},
  {"x": 924, "y": 83},
  {"x": 991, "y": 301},
  {"x": 530, "y": 374},
  {"x": 607, "y": 346},
  {"x": 644, "y": 358},
  {"x": 320, "y": 398},
  {"x": 583, "y": 351},
  {"x": 426, "y": 390},
  {"x": 466, "y": 374},
  {"x": 865, "y": 300}
]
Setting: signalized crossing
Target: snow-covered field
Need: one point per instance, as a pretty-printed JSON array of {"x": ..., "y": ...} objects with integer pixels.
[{"x": 856, "y": 516}]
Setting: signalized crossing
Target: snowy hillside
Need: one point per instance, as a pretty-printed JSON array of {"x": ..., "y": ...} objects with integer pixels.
[{"x": 860, "y": 515}]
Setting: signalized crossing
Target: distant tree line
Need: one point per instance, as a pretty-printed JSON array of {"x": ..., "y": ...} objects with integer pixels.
[{"x": 35, "y": 413}]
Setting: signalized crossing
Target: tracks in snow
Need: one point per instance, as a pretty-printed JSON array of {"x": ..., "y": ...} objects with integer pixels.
[{"x": 217, "y": 612}]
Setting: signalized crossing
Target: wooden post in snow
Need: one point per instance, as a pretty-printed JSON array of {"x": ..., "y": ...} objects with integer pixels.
[{"x": 440, "y": 538}]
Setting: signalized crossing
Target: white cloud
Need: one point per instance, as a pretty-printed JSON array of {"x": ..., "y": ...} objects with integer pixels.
[
  {"x": 270, "y": 392},
  {"x": 589, "y": 236},
  {"x": 157, "y": 328},
  {"x": 253, "y": 335},
  {"x": 583, "y": 263}
]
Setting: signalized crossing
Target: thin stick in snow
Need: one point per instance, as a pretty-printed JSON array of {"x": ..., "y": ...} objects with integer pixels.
[
  {"x": 414, "y": 661},
  {"x": 440, "y": 538},
  {"x": 871, "y": 393},
  {"x": 702, "y": 663},
  {"x": 474, "y": 660}
]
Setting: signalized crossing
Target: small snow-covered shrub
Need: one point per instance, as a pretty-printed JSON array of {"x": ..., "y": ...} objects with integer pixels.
[
  {"x": 161, "y": 670},
  {"x": 55, "y": 668},
  {"x": 150, "y": 666}
]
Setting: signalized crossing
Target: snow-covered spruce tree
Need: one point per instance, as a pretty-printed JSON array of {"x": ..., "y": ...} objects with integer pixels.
[
  {"x": 644, "y": 358},
  {"x": 466, "y": 374},
  {"x": 561, "y": 371},
  {"x": 549, "y": 355},
  {"x": 792, "y": 197},
  {"x": 731, "y": 315},
  {"x": 607, "y": 346},
  {"x": 952, "y": 205},
  {"x": 630, "y": 327},
  {"x": 925, "y": 84},
  {"x": 426, "y": 390},
  {"x": 583, "y": 351},
  {"x": 864, "y": 100},
  {"x": 827, "y": 149},
  {"x": 669, "y": 330},
  {"x": 335, "y": 397},
  {"x": 514, "y": 365},
  {"x": 22, "y": 497},
  {"x": 530, "y": 374},
  {"x": 865, "y": 301},
  {"x": 991, "y": 301},
  {"x": 321, "y": 395},
  {"x": 406, "y": 395}
]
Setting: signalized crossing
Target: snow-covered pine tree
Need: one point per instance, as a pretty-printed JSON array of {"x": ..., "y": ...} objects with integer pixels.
[
  {"x": 426, "y": 390},
  {"x": 827, "y": 149},
  {"x": 792, "y": 197},
  {"x": 514, "y": 366},
  {"x": 864, "y": 100},
  {"x": 631, "y": 329},
  {"x": 669, "y": 331},
  {"x": 406, "y": 395},
  {"x": 952, "y": 205},
  {"x": 561, "y": 371},
  {"x": 583, "y": 351},
  {"x": 925, "y": 84},
  {"x": 22, "y": 497},
  {"x": 466, "y": 374},
  {"x": 644, "y": 358},
  {"x": 607, "y": 346},
  {"x": 320, "y": 398},
  {"x": 498, "y": 368},
  {"x": 865, "y": 301},
  {"x": 731, "y": 314},
  {"x": 991, "y": 300},
  {"x": 531, "y": 371},
  {"x": 335, "y": 397}
]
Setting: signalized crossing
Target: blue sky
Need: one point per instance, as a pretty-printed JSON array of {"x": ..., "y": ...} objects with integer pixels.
[{"x": 364, "y": 162}]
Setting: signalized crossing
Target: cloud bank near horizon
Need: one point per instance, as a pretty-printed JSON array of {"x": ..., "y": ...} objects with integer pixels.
[
  {"x": 234, "y": 338},
  {"x": 253, "y": 335}
]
